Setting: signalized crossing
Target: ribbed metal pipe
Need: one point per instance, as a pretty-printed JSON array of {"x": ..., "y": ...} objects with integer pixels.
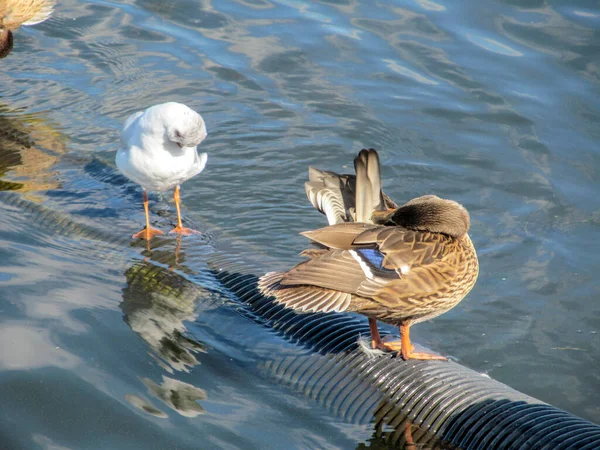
[{"x": 440, "y": 405}]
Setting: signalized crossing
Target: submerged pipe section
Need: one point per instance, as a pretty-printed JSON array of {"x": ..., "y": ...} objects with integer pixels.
[{"x": 439, "y": 404}]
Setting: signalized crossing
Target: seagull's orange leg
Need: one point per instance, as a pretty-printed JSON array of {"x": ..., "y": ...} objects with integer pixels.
[
  {"x": 148, "y": 232},
  {"x": 180, "y": 228}
]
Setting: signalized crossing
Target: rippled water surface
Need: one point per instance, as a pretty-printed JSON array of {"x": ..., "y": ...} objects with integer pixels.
[{"x": 492, "y": 103}]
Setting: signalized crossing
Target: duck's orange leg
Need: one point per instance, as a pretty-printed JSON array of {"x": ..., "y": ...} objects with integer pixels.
[
  {"x": 180, "y": 228},
  {"x": 403, "y": 346},
  {"x": 376, "y": 341},
  {"x": 406, "y": 347},
  {"x": 408, "y": 437},
  {"x": 148, "y": 232}
]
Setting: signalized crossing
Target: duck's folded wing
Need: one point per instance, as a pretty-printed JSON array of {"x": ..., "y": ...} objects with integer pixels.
[
  {"x": 357, "y": 272},
  {"x": 303, "y": 298},
  {"x": 394, "y": 267},
  {"x": 340, "y": 236}
]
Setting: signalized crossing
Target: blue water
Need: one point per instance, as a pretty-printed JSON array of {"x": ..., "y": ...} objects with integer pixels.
[{"x": 495, "y": 104}]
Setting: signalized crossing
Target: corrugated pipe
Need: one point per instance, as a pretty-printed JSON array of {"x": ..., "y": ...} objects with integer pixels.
[{"x": 422, "y": 401}]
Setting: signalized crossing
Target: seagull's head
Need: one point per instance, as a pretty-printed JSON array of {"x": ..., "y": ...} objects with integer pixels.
[{"x": 183, "y": 126}]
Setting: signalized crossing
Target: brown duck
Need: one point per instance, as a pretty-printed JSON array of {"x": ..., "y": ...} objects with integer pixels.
[
  {"x": 401, "y": 265},
  {"x": 14, "y": 13}
]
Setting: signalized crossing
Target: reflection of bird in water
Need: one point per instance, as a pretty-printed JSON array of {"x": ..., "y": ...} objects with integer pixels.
[
  {"x": 401, "y": 265},
  {"x": 156, "y": 302},
  {"x": 14, "y": 13},
  {"x": 180, "y": 396},
  {"x": 29, "y": 147},
  {"x": 406, "y": 436},
  {"x": 158, "y": 152}
]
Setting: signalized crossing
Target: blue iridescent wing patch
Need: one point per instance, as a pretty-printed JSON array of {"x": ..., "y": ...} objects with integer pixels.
[
  {"x": 373, "y": 256},
  {"x": 374, "y": 259}
]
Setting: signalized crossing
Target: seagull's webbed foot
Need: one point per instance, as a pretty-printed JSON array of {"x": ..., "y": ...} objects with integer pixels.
[
  {"x": 147, "y": 233},
  {"x": 184, "y": 231}
]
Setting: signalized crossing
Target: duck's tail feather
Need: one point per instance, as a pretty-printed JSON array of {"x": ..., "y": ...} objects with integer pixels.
[
  {"x": 369, "y": 195},
  {"x": 270, "y": 281},
  {"x": 332, "y": 194},
  {"x": 336, "y": 195},
  {"x": 304, "y": 298}
]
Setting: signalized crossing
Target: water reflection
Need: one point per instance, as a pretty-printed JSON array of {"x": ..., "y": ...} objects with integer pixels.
[
  {"x": 406, "y": 436},
  {"x": 30, "y": 146},
  {"x": 179, "y": 396},
  {"x": 156, "y": 304}
]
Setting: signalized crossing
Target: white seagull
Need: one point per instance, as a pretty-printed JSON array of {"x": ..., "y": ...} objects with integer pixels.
[{"x": 158, "y": 152}]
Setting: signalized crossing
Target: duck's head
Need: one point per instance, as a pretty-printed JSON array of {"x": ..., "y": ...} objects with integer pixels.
[
  {"x": 6, "y": 41},
  {"x": 428, "y": 213}
]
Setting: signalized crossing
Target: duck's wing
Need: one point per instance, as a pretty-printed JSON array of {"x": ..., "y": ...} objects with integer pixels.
[
  {"x": 391, "y": 266},
  {"x": 331, "y": 194},
  {"x": 303, "y": 298},
  {"x": 340, "y": 236},
  {"x": 335, "y": 194},
  {"x": 369, "y": 194}
]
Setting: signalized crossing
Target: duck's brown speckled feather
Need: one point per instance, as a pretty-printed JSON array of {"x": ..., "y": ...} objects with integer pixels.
[
  {"x": 305, "y": 298},
  {"x": 422, "y": 275}
]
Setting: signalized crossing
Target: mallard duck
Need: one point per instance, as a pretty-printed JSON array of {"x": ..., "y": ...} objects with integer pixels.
[
  {"x": 14, "y": 13},
  {"x": 402, "y": 265},
  {"x": 158, "y": 152}
]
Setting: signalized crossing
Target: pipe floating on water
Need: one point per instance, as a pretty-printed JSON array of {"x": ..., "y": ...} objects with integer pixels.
[{"x": 433, "y": 403}]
